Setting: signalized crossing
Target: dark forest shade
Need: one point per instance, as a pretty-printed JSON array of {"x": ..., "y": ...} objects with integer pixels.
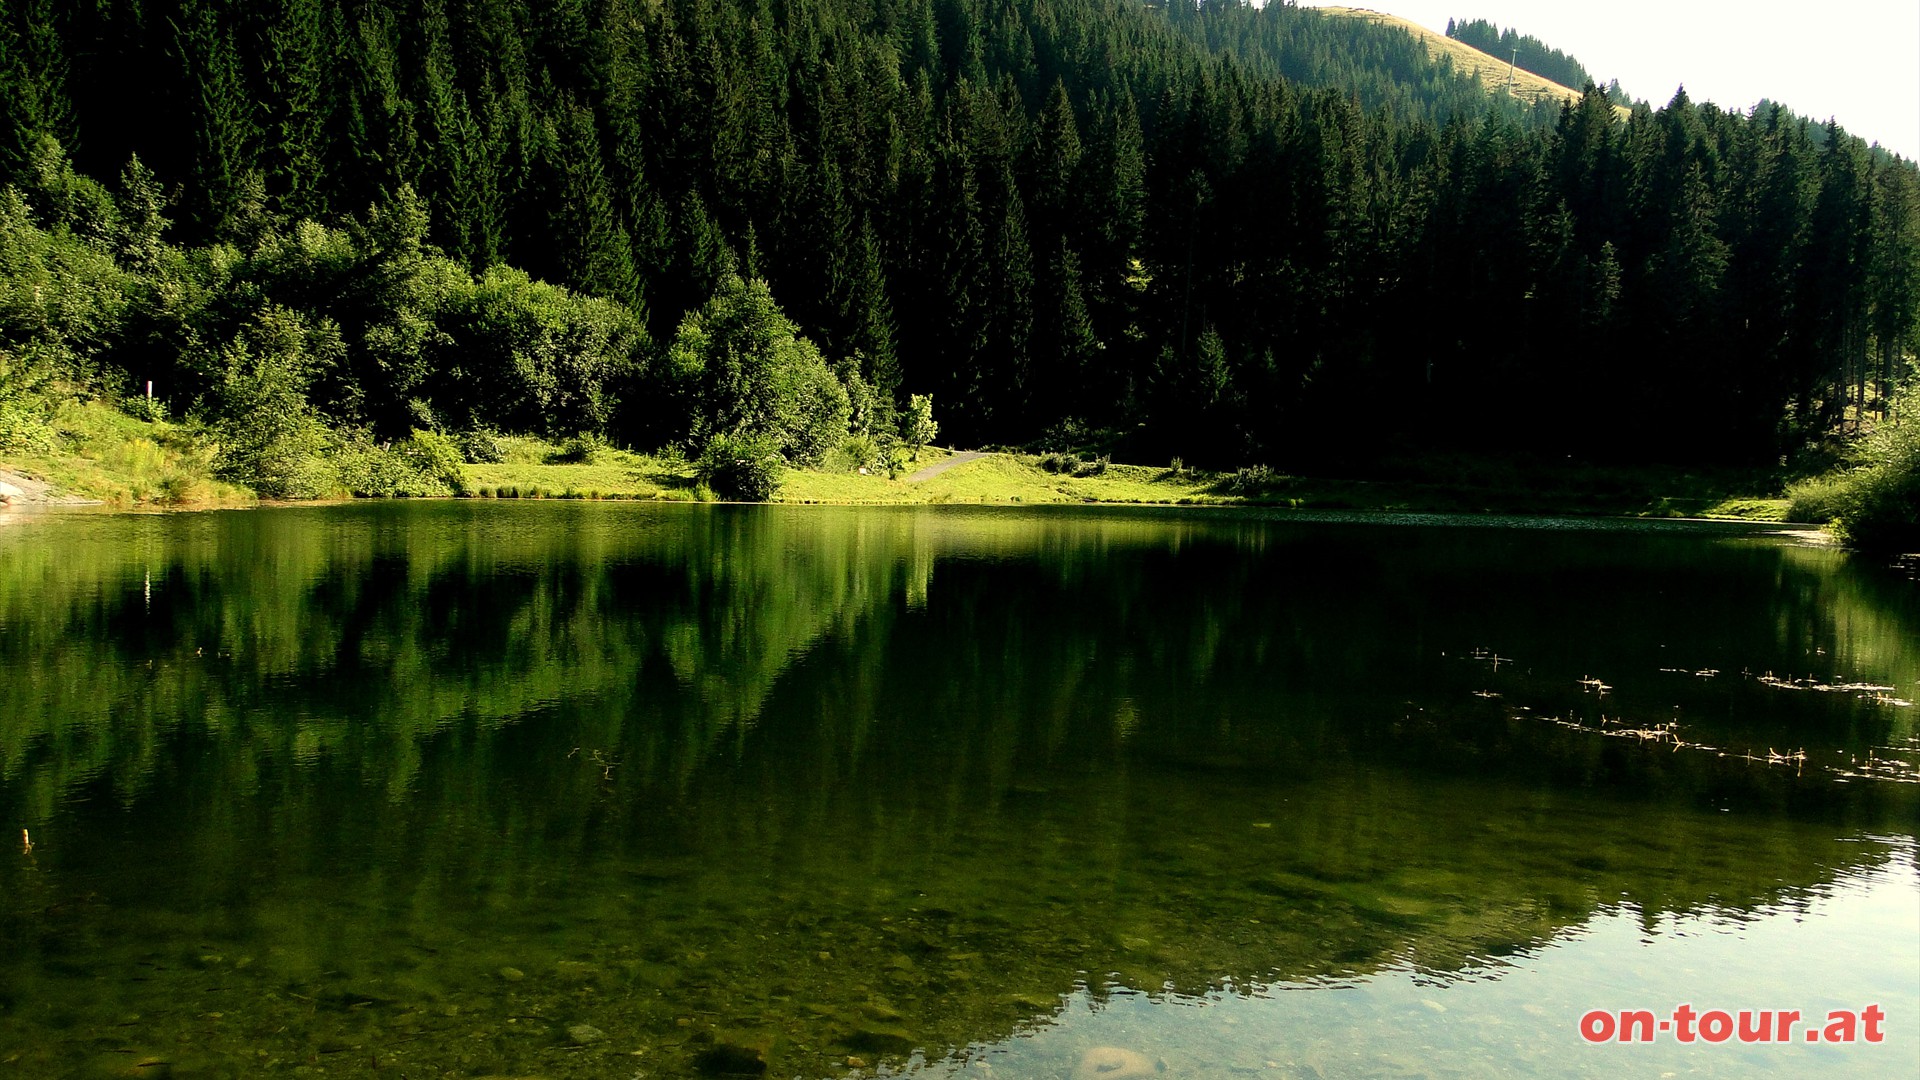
[{"x": 1232, "y": 232}]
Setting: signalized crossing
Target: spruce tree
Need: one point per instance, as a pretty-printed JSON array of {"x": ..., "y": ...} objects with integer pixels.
[
  {"x": 597, "y": 253},
  {"x": 225, "y": 130},
  {"x": 298, "y": 58},
  {"x": 34, "y": 102}
]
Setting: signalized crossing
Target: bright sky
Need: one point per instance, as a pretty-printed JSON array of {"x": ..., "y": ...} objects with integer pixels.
[{"x": 1857, "y": 61}]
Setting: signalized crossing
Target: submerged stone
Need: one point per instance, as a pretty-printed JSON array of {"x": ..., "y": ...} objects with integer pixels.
[
  {"x": 585, "y": 1033},
  {"x": 1114, "y": 1063}
]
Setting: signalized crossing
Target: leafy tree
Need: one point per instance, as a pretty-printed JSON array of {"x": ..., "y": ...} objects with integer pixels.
[
  {"x": 918, "y": 428},
  {"x": 142, "y": 222},
  {"x": 63, "y": 301},
  {"x": 741, "y": 368},
  {"x": 521, "y": 355},
  {"x": 864, "y": 415},
  {"x": 63, "y": 199},
  {"x": 270, "y": 439}
]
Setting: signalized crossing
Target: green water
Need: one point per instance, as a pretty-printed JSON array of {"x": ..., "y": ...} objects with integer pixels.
[{"x": 582, "y": 790}]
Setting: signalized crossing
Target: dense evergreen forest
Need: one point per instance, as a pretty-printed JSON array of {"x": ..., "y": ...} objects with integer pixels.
[
  {"x": 1225, "y": 232},
  {"x": 1530, "y": 54}
]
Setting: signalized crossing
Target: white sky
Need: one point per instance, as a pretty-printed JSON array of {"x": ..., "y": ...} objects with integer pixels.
[{"x": 1857, "y": 61}]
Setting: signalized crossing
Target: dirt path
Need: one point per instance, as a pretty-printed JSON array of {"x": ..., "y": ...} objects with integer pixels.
[{"x": 932, "y": 471}]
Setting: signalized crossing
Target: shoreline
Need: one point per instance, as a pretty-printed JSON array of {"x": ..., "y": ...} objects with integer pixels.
[
  {"x": 535, "y": 469},
  {"x": 114, "y": 461},
  {"x": 1306, "y": 510}
]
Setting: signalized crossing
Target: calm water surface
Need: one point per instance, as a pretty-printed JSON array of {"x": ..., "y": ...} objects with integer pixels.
[{"x": 582, "y": 790}]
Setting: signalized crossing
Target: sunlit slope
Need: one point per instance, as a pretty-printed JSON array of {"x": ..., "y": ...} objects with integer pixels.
[{"x": 1494, "y": 72}]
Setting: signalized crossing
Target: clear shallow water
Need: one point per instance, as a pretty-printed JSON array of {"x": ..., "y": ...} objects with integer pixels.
[
  {"x": 582, "y": 790},
  {"x": 1499, "y": 1016}
]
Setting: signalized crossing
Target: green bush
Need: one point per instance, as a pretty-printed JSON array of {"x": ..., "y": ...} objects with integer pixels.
[
  {"x": 269, "y": 437},
  {"x": 142, "y": 407},
  {"x": 481, "y": 446},
  {"x": 1875, "y": 505},
  {"x": 1252, "y": 480},
  {"x": 370, "y": 471},
  {"x": 424, "y": 465},
  {"x": 26, "y": 406},
  {"x": 579, "y": 450},
  {"x": 1816, "y": 500},
  {"x": 437, "y": 459},
  {"x": 23, "y": 427},
  {"x": 1074, "y": 465},
  {"x": 744, "y": 468},
  {"x": 739, "y": 366},
  {"x": 1881, "y": 510},
  {"x": 524, "y": 355},
  {"x": 918, "y": 427},
  {"x": 1879, "y": 507},
  {"x": 854, "y": 453}
]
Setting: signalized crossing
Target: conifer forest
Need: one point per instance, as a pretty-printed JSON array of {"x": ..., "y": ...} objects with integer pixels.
[{"x": 1227, "y": 232}]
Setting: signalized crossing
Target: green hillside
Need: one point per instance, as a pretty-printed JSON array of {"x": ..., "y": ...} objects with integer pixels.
[{"x": 1227, "y": 233}]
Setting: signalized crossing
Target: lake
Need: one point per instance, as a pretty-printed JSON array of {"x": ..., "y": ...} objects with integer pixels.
[{"x": 571, "y": 789}]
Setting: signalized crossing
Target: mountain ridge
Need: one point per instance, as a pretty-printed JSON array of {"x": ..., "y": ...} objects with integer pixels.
[{"x": 1494, "y": 73}]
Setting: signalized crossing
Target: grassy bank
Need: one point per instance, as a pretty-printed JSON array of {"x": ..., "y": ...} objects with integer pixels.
[
  {"x": 100, "y": 453},
  {"x": 93, "y": 452},
  {"x": 1449, "y": 485}
]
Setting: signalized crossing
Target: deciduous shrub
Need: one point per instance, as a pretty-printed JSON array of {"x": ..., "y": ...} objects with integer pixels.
[
  {"x": 481, "y": 446},
  {"x": 1252, "y": 480},
  {"x": 579, "y": 450},
  {"x": 918, "y": 428},
  {"x": 425, "y": 464},
  {"x": 738, "y": 366},
  {"x": 269, "y": 437},
  {"x": 854, "y": 453},
  {"x": 745, "y": 468},
  {"x": 1074, "y": 465},
  {"x": 1875, "y": 505},
  {"x": 25, "y": 404}
]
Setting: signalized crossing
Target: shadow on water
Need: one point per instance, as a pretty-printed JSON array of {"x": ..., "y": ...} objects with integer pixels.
[{"x": 575, "y": 790}]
